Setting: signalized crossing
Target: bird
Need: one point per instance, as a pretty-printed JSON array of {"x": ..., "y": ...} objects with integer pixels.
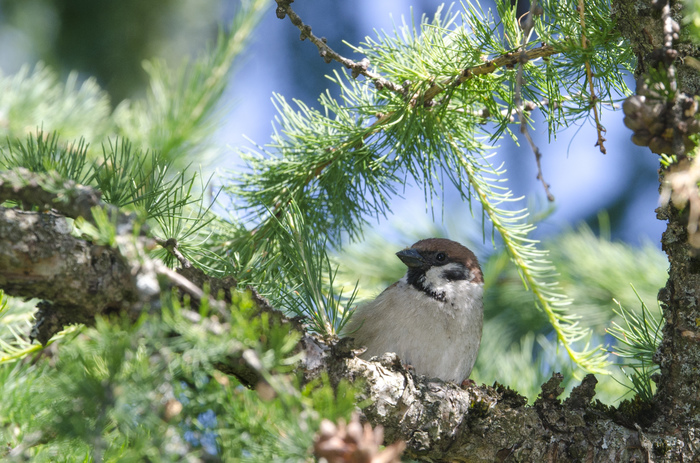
[{"x": 432, "y": 317}]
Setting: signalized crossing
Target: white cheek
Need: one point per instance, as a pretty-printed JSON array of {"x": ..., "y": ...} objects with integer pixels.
[
  {"x": 434, "y": 279},
  {"x": 455, "y": 290}
]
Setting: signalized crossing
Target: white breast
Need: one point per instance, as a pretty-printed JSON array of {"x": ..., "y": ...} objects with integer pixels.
[{"x": 439, "y": 339}]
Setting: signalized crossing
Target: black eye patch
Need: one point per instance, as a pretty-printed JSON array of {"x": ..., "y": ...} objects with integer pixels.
[{"x": 454, "y": 274}]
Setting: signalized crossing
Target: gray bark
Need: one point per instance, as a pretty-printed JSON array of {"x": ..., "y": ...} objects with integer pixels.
[{"x": 677, "y": 399}]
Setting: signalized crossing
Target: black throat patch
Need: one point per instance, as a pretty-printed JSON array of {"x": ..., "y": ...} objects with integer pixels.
[{"x": 416, "y": 278}]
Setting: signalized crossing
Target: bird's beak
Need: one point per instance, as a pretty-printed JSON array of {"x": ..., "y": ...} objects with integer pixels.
[{"x": 411, "y": 258}]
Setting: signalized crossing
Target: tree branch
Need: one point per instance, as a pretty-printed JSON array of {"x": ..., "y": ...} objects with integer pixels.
[
  {"x": 438, "y": 421},
  {"x": 361, "y": 68},
  {"x": 328, "y": 54},
  {"x": 48, "y": 191},
  {"x": 678, "y": 355},
  {"x": 589, "y": 76},
  {"x": 518, "y": 99},
  {"x": 444, "y": 422},
  {"x": 509, "y": 59},
  {"x": 75, "y": 278},
  {"x": 40, "y": 259}
]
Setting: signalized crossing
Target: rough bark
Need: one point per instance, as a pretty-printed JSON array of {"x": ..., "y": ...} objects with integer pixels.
[
  {"x": 677, "y": 398},
  {"x": 39, "y": 258},
  {"x": 678, "y": 393},
  {"x": 445, "y": 422},
  {"x": 75, "y": 278}
]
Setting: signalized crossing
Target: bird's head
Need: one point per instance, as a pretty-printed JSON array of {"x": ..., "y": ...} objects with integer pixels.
[{"x": 436, "y": 263}]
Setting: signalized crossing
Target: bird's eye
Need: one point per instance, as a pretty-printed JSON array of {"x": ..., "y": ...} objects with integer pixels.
[{"x": 440, "y": 256}]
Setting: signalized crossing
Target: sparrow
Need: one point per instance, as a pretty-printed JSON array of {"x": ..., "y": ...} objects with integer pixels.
[{"x": 432, "y": 317}]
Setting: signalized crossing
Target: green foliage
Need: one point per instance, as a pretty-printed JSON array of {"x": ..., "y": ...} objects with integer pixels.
[
  {"x": 43, "y": 153},
  {"x": 309, "y": 278},
  {"x": 34, "y": 99},
  {"x": 638, "y": 341},
  {"x": 340, "y": 164},
  {"x": 113, "y": 390},
  {"x": 188, "y": 219},
  {"x": 606, "y": 53},
  {"x": 127, "y": 178},
  {"x": 593, "y": 269}
]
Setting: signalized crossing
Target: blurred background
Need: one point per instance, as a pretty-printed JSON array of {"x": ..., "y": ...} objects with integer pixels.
[{"x": 109, "y": 40}]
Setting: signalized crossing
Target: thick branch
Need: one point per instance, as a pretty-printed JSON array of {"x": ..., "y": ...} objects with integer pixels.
[
  {"x": 48, "y": 191},
  {"x": 78, "y": 280},
  {"x": 444, "y": 422},
  {"x": 40, "y": 259},
  {"x": 679, "y": 353}
]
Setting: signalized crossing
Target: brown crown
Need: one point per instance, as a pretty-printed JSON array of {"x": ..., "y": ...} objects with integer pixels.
[{"x": 455, "y": 253}]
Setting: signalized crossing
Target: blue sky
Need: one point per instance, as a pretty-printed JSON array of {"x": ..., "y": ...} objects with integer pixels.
[{"x": 582, "y": 179}]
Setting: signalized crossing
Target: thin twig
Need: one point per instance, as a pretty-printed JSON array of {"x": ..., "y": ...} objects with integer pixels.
[
  {"x": 589, "y": 75},
  {"x": 328, "y": 54},
  {"x": 518, "y": 100},
  {"x": 508, "y": 59},
  {"x": 528, "y": 106},
  {"x": 170, "y": 245},
  {"x": 361, "y": 67},
  {"x": 188, "y": 283},
  {"x": 185, "y": 284}
]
